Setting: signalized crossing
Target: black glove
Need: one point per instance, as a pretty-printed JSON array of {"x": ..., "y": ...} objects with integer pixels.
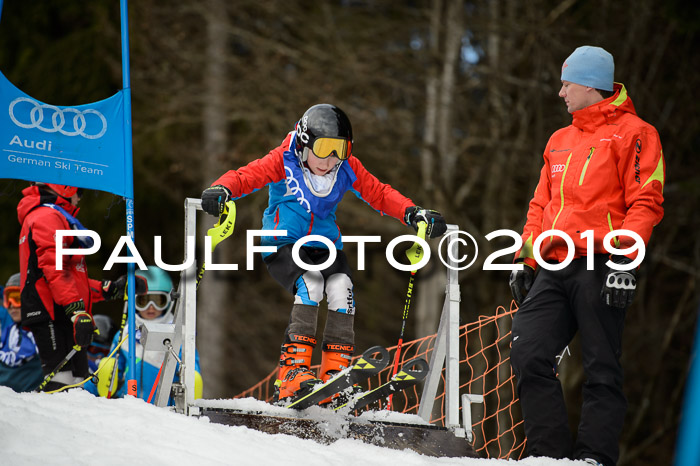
[
  {"x": 521, "y": 282},
  {"x": 116, "y": 289},
  {"x": 619, "y": 286},
  {"x": 436, "y": 224},
  {"x": 214, "y": 198},
  {"x": 83, "y": 325}
]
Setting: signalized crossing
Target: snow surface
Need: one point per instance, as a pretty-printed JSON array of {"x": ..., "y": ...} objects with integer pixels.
[{"x": 76, "y": 428}]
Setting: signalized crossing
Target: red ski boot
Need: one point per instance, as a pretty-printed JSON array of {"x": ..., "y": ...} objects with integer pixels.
[
  {"x": 295, "y": 378},
  {"x": 335, "y": 358}
]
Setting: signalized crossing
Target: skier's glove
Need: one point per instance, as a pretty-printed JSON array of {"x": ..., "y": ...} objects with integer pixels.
[
  {"x": 117, "y": 289},
  {"x": 436, "y": 223},
  {"x": 214, "y": 198},
  {"x": 83, "y": 325},
  {"x": 619, "y": 286},
  {"x": 521, "y": 282}
]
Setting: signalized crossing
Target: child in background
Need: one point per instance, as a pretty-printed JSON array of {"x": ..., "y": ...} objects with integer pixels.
[
  {"x": 20, "y": 366},
  {"x": 155, "y": 306}
]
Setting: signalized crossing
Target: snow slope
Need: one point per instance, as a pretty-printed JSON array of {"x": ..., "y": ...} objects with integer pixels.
[{"x": 75, "y": 428}]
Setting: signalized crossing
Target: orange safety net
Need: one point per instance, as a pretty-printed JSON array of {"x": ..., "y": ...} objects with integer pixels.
[{"x": 484, "y": 363}]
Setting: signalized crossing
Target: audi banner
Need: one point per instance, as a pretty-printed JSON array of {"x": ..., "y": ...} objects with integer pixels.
[{"x": 79, "y": 146}]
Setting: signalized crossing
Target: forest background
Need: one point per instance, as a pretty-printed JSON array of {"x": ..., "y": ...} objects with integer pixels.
[{"x": 452, "y": 103}]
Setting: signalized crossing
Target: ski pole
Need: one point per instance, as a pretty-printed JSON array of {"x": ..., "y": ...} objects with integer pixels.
[
  {"x": 155, "y": 384},
  {"x": 414, "y": 255},
  {"x": 58, "y": 368},
  {"x": 219, "y": 232},
  {"x": 91, "y": 376},
  {"x": 114, "y": 369}
]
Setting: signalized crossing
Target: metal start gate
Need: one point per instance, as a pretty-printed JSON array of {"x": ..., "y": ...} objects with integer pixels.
[{"x": 177, "y": 340}]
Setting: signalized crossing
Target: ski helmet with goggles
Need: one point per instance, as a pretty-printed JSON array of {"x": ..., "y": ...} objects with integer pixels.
[
  {"x": 64, "y": 190},
  {"x": 14, "y": 280},
  {"x": 11, "y": 293},
  {"x": 325, "y": 130},
  {"x": 160, "y": 287}
]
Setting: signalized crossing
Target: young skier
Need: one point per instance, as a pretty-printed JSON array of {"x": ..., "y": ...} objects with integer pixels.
[
  {"x": 20, "y": 367},
  {"x": 154, "y": 306},
  {"x": 307, "y": 176}
]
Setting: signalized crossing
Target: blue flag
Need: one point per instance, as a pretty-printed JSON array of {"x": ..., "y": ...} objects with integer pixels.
[{"x": 79, "y": 146}]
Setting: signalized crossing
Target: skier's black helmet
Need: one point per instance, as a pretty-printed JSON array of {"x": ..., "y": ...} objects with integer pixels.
[{"x": 325, "y": 130}]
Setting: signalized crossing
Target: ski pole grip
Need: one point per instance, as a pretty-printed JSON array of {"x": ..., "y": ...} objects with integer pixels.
[{"x": 422, "y": 226}]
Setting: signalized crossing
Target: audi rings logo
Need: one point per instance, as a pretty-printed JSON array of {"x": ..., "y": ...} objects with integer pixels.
[
  {"x": 558, "y": 168},
  {"x": 67, "y": 121},
  {"x": 296, "y": 190}
]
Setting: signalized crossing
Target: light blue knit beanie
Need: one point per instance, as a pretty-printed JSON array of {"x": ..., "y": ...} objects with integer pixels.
[{"x": 589, "y": 66}]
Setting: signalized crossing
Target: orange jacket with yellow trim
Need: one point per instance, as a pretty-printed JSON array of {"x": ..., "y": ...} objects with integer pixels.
[{"x": 603, "y": 172}]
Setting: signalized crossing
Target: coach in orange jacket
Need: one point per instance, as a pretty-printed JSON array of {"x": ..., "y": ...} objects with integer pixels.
[{"x": 603, "y": 172}]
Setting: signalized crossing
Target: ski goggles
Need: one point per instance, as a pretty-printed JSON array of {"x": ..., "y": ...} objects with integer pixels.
[
  {"x": 159, "y": 299},
  {"x": 326, "y": 147},
  {"x": 11, "y": 296}
]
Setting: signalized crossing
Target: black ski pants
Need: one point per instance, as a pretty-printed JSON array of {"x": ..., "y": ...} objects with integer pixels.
[
  {"x": 54, "y": 339},
  {"x": 559, "y": 304}
]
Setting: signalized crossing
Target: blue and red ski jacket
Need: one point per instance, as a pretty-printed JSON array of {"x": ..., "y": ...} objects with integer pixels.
[{"x": 288, "y": 210}]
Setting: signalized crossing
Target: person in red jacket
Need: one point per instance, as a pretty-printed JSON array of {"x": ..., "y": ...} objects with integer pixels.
[
  {"x": 603, "y": 172},
  {"x": 57, "y": 304},
  {"x": 307, "y": 177}
]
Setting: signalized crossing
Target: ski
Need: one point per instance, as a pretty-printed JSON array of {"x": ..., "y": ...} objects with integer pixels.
[
  {"x": 411, "y": 373},
  {"x": 363, "y": 368}
]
